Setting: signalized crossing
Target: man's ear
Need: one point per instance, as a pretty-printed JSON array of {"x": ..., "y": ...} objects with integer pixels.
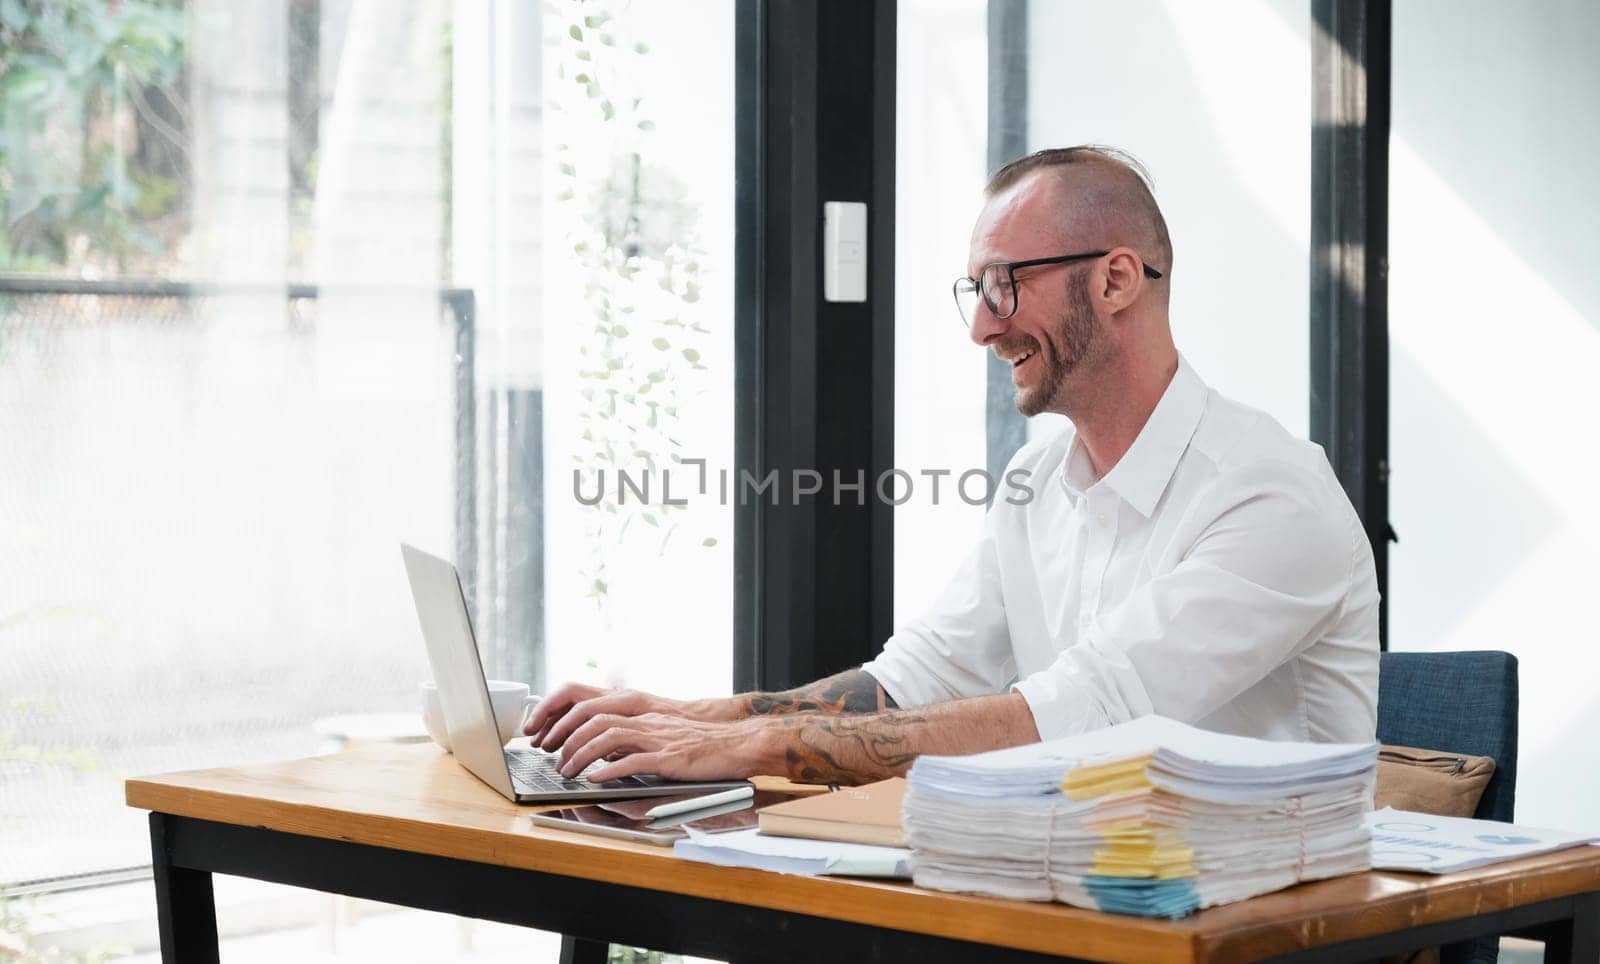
[{"x": 1119, "y": 279}]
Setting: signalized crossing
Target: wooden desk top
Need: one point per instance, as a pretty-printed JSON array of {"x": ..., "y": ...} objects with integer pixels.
[{"x": 417, "y": 798}]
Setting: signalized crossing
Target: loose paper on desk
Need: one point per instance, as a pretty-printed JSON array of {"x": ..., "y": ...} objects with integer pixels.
[
  {"x": 793, "y": 855},
  {"x": 1423, "y": 843}
]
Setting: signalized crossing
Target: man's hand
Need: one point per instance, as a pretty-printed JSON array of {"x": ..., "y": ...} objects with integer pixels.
[
  {"x": 669, "y": 746},
  {"x": 808, "y": 747},
  {"x": 572, "y": 705}
]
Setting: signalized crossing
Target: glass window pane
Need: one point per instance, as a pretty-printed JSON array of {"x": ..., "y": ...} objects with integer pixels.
[
  {"x": 519, "y": 222},
  {"x": 941, "y": 115},
  {"x": 1226, "y": 138},
  {"x": 638, "y": 285}
]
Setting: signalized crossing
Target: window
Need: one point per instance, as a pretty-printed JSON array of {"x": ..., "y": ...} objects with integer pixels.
[
  {"x": 1226, "y": 139},
  {"x": 420, "y": 268},
  {"x": 941, "y": 118}
]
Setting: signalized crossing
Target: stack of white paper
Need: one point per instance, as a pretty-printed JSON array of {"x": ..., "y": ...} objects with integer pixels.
[{"x": 1151, "y": 817}]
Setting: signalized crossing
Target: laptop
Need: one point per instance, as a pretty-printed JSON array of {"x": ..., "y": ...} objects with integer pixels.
[{"x": 523, "y": 774}]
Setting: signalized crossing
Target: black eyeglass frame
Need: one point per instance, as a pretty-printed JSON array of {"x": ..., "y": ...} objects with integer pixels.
[{"x": 1011, "y": 279}]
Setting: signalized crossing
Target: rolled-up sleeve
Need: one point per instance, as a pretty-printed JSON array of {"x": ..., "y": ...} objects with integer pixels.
[
  {"x": 1255, "y": 573},
  {"x": 961, "y": 646}
]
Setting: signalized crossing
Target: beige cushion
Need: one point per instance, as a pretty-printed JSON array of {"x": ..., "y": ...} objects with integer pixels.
[{"x": 1431, "y": 781}]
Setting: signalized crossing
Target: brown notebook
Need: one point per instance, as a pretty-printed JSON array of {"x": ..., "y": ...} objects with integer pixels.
[{"x": 867, "y": 814}]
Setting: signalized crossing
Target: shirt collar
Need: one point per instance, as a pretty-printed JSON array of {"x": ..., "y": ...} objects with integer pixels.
[{"x": 1143, "y": 472}]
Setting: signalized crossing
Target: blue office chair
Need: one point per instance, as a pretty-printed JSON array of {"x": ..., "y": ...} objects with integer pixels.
[{"x": 1460, "y": 703}]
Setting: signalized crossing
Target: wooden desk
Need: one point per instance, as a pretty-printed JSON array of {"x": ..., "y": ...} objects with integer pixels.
[{"x": 407, "y": 825}]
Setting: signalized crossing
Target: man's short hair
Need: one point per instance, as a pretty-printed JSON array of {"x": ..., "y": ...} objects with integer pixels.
[{"x": 1124, "y": 195}]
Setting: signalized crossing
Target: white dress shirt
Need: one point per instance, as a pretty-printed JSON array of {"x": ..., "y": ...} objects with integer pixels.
[{"x": 1217, "y": 575}]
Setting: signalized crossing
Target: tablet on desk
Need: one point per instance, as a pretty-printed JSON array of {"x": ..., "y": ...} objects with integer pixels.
[{"x": 626, "y": 820}]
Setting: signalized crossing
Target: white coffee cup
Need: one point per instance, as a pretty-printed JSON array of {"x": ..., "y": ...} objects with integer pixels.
[{"x": 510, "y": 699}]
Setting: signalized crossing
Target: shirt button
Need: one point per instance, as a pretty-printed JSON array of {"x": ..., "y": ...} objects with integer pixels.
[{"x": 1101, "y": 520}]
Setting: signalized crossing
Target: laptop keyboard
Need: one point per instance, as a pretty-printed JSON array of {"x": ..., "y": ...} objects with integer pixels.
[{"x": 534, "y": 771}]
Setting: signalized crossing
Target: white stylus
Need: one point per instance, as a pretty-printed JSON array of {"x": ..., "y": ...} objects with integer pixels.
[{"x": 700, "y": 803}]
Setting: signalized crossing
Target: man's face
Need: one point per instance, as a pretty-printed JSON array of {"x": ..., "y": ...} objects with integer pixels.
[{"x": 1054, "y": 328}]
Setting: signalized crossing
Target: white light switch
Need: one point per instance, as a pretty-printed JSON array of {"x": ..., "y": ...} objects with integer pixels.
[{"x": 844, "y": 251}]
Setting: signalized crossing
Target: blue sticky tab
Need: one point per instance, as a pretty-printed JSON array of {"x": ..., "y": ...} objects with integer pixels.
[{"x": 1143, "y": 897}]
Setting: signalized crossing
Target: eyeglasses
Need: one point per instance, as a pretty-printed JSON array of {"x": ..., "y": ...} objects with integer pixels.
[{"x": 998, "y": 284}]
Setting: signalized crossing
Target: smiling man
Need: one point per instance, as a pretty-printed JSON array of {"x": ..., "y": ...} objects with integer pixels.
[{"x": 1182, "y": 554}]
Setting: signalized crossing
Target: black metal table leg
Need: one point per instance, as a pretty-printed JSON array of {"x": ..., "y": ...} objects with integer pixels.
[
  {"x": 1577, "y": 940},
  {"x": 185, "y": 908},
  {"x": 576, "y": 950}
]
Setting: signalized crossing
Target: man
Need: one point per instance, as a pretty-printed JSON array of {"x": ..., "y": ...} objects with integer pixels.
[{"x": 1181, "y": 554}]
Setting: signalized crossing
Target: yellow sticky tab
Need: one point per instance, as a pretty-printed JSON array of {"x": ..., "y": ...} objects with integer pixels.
[
  {"x": 1085, "y": 783},
  {"x": 1151, "y": 861},
  {"x": 1136, "y": 848}
]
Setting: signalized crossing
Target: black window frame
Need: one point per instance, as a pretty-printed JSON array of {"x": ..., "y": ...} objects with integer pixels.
[{"x": 815, "y": 102}]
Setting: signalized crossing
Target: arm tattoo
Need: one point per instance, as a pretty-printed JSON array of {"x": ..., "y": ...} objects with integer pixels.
[
  {"x": 853, "y": 691},
  {"x": 851, "y": 750},
  {"x": 824, "y": 748}
]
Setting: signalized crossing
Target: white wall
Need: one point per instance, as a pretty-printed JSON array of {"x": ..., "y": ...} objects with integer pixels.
[{"x": 1494, "y": 301}]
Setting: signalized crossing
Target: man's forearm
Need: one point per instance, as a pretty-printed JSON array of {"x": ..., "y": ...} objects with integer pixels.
[
  {"x": 817, "y": 748},
  {"x": 852, "y": 691}
]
